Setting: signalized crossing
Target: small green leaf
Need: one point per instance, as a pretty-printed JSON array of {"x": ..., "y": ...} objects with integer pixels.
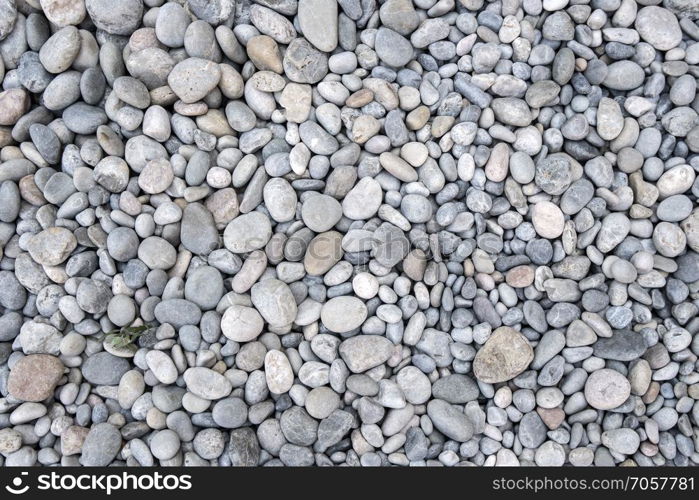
[{"x": 126, "y": 335}]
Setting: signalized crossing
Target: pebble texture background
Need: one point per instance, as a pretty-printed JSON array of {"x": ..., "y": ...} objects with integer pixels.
[{"x": 362, "y": 232}]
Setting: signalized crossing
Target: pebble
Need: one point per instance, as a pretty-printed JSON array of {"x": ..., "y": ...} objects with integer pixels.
[
  {"x": 365, "y": 351},
  {"x": 101, "y": 444},
  {"x": 192, "y": 79},
  {"x": 658, "y": 27},
  {"x": 343, "y": 314},
  {"x": 52, "y": 246},
  {"x": 34, "y": 377},
  {"x": 318, "y": 22},
  {"x": 505, "y": 355},
  {"x": 275, "y": 302},
  {"x": 206, "y": 383},
  {"x": 548, "y": 220},
  {"x": 606, "y": 389}
]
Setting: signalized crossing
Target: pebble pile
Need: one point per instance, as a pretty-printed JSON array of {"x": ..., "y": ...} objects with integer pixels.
[{"x": 349, "y": 232}]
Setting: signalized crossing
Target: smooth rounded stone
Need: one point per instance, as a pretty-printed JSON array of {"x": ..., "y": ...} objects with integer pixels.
[
  {"x": 322, "y": 253},
  {"x": 193, "y": 79},
  {"x": 14, "y": 103},
  {"x": 240, "y": 117},
  {"x": 9, "y": 201},
  {"x": 10, "y": 440},
  {"x": 102, "y": 444},
  {"x": 674, "y": 208},
  {"x": 209, "y": 443},
  {"x": 52, "y": 246},
  {"x": 278, "y": 372},
  {"x": 415, "y": 385},
  {"x": 121, "y": 310},
  {"x": 456, "y": 389},
  {"x": 416, "y": 208},
  {"x": 241, "y": 323},
  {"x": 59, "y": 51},
  {"x": 230, "y": 413},
  {"x": 280, "y": 199},
  {"x": 8, "y": 18},
  {"x": 520, "y": 276},
  {"x": 204, "y": 287},
  {"x": 658, "y": 27},
  {"x": 263, "y": 51},
  {"x": 363, "y": 200},
  {"x": 320, "y": 213},
  {"x": 198, "y": 232},
  {"x": 13, "y": 296},
  {"x": 675, "y": 180},
  {"x": 577, "y": 196},
  {"x": 32, "y": 74},
  {"x": 34, "y": 377},
  {"x": 83, "y": 119},
  {"x": 392, "y": 48},
  {"x": 390, "y": 246},
  {"x": 317, "y": 139},
  {"x": 156, "y": 176},
  {"x": 171, "y": 24},
  {"x": 669, "y": 239},
  {"x": 303, "y": 63},
  {"x": 548, "y": 220},
  {"x": 318, "y": 22},
  {"x": 247, "y": 232},
  {"x": 161, "y": 366},
  {"x": 399, "y": 15},
  {"x": 104, "y": 368},
  {"x": 131, "y": 387},
  {"x": 165, "y": 444},
  {"x": 550, "y": 454},
  {"x": 541, "y": 93},
  {"x": 679, "y": 121},
  {"x": 505, "y": 355},
  {"x": 343, "y": 314},
  {"x": 58, "y": 188},
  {"x": 321, "y": 402},
  {"x": 37, "y": 337},
  {"x": 553, "y": 174},
  {"x": 623, "y": 345},
  {"x": 511, "y": 111},
  {"x": 243, "y": 446},
  {"x": 624, "y": 441},
  {"x": 449, "y": 420},
  {"x": 206, "y": 383},
  {"x": 624, "y": 75},
  {"x": 610, "y": 121},
  {"x": 298, "y": 426},
  {"x": 364, "y": 352},
  {"x": 615, "y": 227},
  {"x": 93, "y": 296},
  {"x": 157, "y": 253},
  {"x": 606, "y": 389},
  {"x": 275, "y": 302},
  {"x": 49, "y": 147},
  {"x": 177, "y": 312},
  {"x": 212, "y": 11},
  {"x": 64, "y": 12},
  {"x": 272, "y": 24},
  {"x": 121, "y": 19}
]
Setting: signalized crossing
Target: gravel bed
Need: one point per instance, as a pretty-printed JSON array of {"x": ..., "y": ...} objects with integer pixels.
[{"x": 349, "y": 232}]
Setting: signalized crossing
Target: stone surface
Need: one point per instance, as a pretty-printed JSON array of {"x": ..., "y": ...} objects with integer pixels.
[
  {"x": 505, "y": 355},
  {"x": 34, "y": 377}
]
